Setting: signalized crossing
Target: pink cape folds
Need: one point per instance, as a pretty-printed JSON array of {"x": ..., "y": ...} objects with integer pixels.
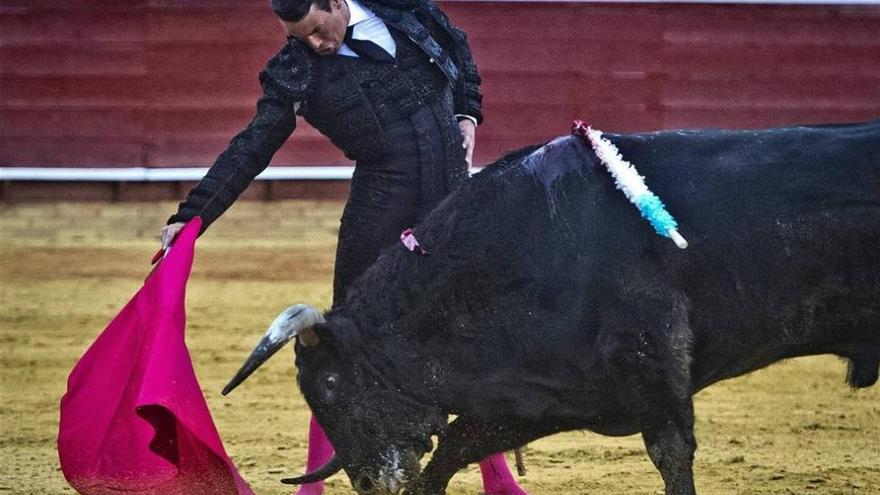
[{"x": 134, "y": 419}]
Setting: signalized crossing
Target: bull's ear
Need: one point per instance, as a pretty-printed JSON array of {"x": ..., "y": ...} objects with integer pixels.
[
  {"x": 298, "y": 320},
  {"x": 309, "y": 337}
]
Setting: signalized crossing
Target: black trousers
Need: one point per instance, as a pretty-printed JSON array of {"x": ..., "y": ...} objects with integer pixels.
[{"x": 386, "y": 198}]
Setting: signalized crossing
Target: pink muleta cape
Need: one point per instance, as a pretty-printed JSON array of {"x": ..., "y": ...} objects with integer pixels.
[{"x": 134, "y": 419}]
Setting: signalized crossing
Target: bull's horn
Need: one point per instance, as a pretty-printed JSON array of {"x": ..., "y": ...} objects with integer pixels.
[
  {"x": 295, "y": 320},
  {"x": 332, "y": 467}
]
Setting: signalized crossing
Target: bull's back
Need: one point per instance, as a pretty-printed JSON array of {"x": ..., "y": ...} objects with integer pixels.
[
  {"x": 784, "y": 226},
  {"x": 718, "y": 178},
  {"x": 784, "y": 232}
]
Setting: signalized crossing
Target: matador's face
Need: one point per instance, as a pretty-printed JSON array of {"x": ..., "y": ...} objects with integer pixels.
[{"x": 323, "y": 31}]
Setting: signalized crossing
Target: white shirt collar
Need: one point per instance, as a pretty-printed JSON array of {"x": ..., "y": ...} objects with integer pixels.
[{"x": 358, "y": 12}]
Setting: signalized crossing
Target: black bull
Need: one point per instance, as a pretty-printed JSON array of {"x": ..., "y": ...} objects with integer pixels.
[{"x": 547, "y": 304}]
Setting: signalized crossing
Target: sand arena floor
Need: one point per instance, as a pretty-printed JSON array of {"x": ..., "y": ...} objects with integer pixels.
[{"x": 66, "y": 269}]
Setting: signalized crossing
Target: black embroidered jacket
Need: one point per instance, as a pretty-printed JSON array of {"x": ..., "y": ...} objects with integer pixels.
[{"x": 350, "y": 103}]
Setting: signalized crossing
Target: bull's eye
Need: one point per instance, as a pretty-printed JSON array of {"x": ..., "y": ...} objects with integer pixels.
[{"x": 330, "y": 383}]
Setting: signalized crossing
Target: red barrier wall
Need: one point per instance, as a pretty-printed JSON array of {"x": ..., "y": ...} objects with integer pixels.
[{"x": 161, "y": 83}]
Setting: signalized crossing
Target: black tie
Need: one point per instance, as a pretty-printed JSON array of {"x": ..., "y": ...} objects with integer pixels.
[{"x": 366, "y": 48}]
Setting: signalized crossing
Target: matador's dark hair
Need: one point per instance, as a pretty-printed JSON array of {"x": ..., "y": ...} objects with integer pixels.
[{"x": 295, "y": 10}]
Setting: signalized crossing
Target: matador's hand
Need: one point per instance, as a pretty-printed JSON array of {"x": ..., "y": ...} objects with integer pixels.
[
  {"x": 169, "y": 232},
  {"x": 469, "y": 137}
]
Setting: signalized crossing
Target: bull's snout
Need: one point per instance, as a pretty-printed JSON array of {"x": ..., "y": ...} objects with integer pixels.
[
  {"x": 387, "y": 477},
  {"x": 387, "y": 481},
  {"x": 366, "y": 484}
]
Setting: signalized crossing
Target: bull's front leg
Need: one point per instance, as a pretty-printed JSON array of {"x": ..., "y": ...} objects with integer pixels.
[
  {"x": 464, "y": 442},
  {"x": 651, "y": 350},
  {"x": 670, "y": 443},
  {"x": 661, "y": 385}
]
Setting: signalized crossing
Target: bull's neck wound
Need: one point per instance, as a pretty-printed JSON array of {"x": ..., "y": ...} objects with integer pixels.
[{"x": 547, "y": 164}]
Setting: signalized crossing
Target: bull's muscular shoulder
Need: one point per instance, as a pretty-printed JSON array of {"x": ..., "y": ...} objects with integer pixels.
[{"x": 291, "y": 69}]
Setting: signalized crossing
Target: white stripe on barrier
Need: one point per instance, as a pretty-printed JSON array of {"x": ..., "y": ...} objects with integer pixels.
[
  {"x": 732, "y": 2},
  {"x": 143, "y": 174}
]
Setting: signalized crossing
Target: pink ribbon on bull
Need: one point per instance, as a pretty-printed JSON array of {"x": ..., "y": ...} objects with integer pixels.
[{"x": 410, "y": 242}]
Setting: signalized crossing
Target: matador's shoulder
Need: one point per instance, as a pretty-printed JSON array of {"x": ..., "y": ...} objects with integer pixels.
[{"x": 291, "y": 69}]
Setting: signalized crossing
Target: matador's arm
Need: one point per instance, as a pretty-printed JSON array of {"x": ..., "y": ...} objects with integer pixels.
[{"x": 285, "y": 82}]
